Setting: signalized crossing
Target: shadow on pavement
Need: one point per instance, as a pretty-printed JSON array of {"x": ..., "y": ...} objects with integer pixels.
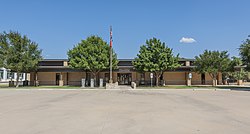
[{"x": 235, "y": 88}]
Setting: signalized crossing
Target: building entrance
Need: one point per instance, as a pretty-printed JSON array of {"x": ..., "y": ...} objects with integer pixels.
[
  {"x": 203, "y": 79},
  {"x": 124, "y": 78},
  {"x": 57, "y": 78}
]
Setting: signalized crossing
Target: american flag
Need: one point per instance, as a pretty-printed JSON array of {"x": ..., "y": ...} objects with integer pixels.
[{"x": 111, "y": 39}]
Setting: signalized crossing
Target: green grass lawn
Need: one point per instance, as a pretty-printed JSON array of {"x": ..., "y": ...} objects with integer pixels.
[
  {"x": 196, "y": 87},
  {"x": 4, "y": 85},
  {"x": 243, "y": 88},
  {"x": 44, "y": 87},
  {"x": 175, "y": 87},
  {"x": 64, "y": 87},
  {"x": 56, "y": 87}
]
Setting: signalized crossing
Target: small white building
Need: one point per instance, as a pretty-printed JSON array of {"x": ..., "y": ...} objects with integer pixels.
[{"x": 6, "y": 75}]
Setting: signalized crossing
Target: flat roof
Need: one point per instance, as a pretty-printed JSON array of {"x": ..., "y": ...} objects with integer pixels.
[
  {"x": 54, "y": 60},
  {"x": 185, "y": 59},
  {"x": 180, "y": 59}
]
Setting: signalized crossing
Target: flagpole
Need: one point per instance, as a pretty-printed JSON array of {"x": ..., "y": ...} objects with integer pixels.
[{"x": 111, "y": 41}]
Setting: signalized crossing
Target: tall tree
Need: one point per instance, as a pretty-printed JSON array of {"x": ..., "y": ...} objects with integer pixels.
[
  {"x": 3, "y": 49},
  {"x": 19, "y": 53},
  {"x": 235, "y": 61},
  {"x": 155, "y": 57},
  {"x": 238, "y": 73},
  {"x": 213, "y": 63},
  {"x": 92, "y": 54},
  {"x": 244, "y": 51}
]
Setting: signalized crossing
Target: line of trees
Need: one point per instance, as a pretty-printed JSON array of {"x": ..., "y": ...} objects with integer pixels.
[
  {"x": 20, "y": 54},
  {"x": 156, "y": 57}
]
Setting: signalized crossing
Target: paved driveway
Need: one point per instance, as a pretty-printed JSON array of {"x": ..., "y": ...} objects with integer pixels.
[{"x": 124, "y": 112}]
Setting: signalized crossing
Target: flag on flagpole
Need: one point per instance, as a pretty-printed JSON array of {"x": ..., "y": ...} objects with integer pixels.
[{"x": 111, "y": 39}]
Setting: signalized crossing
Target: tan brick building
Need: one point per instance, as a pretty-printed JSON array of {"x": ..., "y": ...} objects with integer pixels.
[{"x": 57, "y": 72}]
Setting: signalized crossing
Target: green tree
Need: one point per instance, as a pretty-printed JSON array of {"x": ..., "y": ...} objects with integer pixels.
[
  {"x": 212, "y": 62},
  {"x": 92, "y": 54},
  {"x": 155, "y": 57},
  {"x": 19, "y": 53},
  {"x": 238, "y": 74},
  {"x": 244, "y": 51},
  {"x": 233, "y": 63},
  {"x": 3, "y": 49}
]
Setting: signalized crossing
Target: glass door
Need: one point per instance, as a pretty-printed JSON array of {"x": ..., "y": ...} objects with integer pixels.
[
  {"x": 203, "y": 79},
  {"x": 124, "y": 78},
  {"x": 57, "y": 78}
]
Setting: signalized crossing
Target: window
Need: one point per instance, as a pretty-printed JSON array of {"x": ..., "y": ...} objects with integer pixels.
[
  {"x": 191, "y": 63},
  {"x": 106, "y": 77},
  {"x": 1, "y": 74},
  {"x": 10, "y": 75},
  {"x": 182, "y": 63},
  {"x": 21, "y": 76}
]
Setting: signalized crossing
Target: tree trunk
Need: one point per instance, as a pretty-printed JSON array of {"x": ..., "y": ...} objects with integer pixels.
[
  {"x": 157, "y": 75},
  {"x": 157, "y": 79},
  {"x": 95, "y": 80},
  {"x": 94, "y": 76},
  {"x": 214, "y": 82},
  {"x": 214, "y": 77},
  {"x": 17, "y": 80},
  {"x": 86, "y": 80},
  {"x": 157, "y": 82},
  {"x": 35, "y": 81},
  {"x": 239, "y": 82}
]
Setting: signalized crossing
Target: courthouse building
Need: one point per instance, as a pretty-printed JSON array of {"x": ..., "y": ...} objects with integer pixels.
[{"x": 58, "y": 72}]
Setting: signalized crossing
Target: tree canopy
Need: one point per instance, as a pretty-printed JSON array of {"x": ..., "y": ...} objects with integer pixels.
[
  {"x": 244, "y": 51},
  {"x": 92, "y": 54},
  {"x": 233, "y": 63},
  {"x": 239, "y": 73},
  {"x": 18, "y": 53},
  {"x": 155, "y": 57},
  {"x": 212, "y": 62}
]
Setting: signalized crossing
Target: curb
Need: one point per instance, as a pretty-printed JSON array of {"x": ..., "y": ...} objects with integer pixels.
[
  {"x": 215, "y": 89},
  {"x": 96, "y": 89}
]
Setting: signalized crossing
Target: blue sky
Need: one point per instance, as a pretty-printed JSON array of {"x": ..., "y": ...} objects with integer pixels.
[{"x": 60, "y": 24}]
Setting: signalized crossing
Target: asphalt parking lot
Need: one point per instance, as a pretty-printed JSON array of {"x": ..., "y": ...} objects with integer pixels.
[{"x": 124, "y": 112}]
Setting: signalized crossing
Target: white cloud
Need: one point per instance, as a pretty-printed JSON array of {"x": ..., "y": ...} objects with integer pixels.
[{"x": 187, "y": 40}]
